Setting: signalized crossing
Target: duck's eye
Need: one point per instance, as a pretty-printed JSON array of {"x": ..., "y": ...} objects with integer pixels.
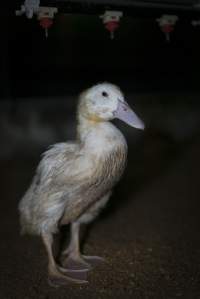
[{"x": 104, "y": 94}]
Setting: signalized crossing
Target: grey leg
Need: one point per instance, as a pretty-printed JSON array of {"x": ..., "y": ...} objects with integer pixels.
[
  {"x": 57, "y": 275},
  {"x": 71, "y": 257}
]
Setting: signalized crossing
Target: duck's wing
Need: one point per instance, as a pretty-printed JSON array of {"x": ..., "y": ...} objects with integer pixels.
[
  {"x": 42, "y": 203},
  {"x": 46, "y": 182},
  {"x": 55, "y": 162}
]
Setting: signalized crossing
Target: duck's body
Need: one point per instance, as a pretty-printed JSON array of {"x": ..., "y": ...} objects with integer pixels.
[{"x": 74, "y": 180}]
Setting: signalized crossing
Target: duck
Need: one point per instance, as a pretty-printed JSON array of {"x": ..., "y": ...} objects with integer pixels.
[{"x": 74, "y": 180}]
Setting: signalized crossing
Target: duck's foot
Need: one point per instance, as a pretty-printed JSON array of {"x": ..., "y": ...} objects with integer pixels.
[
  {"x": 81, "y": 262},
  {"x": 61, "y": 277},
  {"x": 93, "y": 260},
  {"x": 75, "y": 263}
]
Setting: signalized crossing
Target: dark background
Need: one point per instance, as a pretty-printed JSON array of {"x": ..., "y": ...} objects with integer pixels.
[
  {"x": 149, "y": 233},
  {"x": 79, "y": 52}
]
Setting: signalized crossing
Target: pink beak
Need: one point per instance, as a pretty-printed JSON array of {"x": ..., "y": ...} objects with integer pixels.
[{"x": 126, "y": 114}]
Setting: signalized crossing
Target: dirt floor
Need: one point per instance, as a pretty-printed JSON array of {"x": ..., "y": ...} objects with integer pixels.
[{"x": 149, "y": 234}]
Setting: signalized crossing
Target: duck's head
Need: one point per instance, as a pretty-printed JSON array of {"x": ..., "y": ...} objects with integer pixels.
[{"x": 105, "y": 102}]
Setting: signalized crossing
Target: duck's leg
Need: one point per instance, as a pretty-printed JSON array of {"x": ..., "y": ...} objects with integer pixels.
[
  {"x": 57, "y": 275},
  {"x": 71, "y": 257},
  {"x": 87, "y": 217}
]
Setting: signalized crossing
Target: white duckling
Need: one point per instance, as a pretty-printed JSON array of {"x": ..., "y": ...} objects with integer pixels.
[{"x": 74, "y": 180}]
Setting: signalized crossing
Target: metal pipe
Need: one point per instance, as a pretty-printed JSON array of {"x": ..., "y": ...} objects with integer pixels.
[
  {"x": 146, "y": 8},
  {"x": 192, "y": 5}
]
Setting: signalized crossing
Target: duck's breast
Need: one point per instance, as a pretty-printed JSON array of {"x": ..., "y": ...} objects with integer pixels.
[
  {"x": 108, "y": 148},
  {"x": 108, "y": 152}
]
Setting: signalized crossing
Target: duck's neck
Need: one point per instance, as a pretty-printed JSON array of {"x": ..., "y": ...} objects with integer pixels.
[
  {"x": 86, "y": 125},
  {"x": 98, "y": 136}
]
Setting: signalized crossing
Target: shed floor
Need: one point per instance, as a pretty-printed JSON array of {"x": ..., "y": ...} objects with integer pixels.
[{"x": 149, "y": 234}]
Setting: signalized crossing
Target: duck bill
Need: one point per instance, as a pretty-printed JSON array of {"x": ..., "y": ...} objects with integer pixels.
[{"x": 126, "y": 114}]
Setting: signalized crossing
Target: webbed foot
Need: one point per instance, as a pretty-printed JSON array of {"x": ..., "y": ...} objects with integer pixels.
[
  {"x": 60, "y": 277},
  {"x": 81, "y": 262},
  {"x": 75, "y": 263},
  {"x": 93, "y": 260}
]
